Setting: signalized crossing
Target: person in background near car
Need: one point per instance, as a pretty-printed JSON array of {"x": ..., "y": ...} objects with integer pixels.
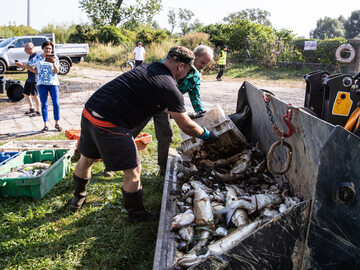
[
  {"x": 222, "y": 62},
  {"x": 191, "y": 85},
  {"x": 119, "y": 106},
  {"x": 47, "y": 68},
  {"x": 139, "y": 54},
  {"x": 30, "y": 88}
]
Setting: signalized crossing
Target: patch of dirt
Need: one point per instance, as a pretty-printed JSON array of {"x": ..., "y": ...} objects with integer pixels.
[{"x": 81, "y": 82}]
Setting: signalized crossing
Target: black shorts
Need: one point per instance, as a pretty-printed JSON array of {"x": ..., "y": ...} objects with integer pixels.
[
  {"x": 114, "y": 145},
  {"x": 30, "y": 89}
]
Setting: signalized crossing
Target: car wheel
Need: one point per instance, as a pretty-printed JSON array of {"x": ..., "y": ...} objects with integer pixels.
[
  {"x": 64, "y": 66},
  {"x": 2, "y": 67}
]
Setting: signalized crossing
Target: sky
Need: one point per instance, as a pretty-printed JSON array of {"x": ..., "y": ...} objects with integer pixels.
[{"x": 298, "y": 16}]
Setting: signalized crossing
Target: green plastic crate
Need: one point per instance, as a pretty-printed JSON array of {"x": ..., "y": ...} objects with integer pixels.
[{"x": 36, "y": 187}]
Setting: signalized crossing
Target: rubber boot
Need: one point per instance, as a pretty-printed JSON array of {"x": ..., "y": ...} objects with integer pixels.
[
  {"x": 133, "y": 203},
  {"x": 79, "y": 199}
]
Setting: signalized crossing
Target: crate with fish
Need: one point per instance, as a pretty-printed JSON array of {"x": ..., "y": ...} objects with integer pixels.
[
  {"x": 266, "y": 202},
  {"x": 34, "y": 173},
  {"x": 30, "y": 145},
  {"x": 7, "y": 156}
]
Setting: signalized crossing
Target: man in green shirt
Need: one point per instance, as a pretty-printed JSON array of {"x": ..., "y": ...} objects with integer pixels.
[{"x": 191, "y": 85}]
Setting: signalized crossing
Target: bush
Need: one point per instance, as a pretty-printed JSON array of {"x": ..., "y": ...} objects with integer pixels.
[
  {"x": 148, "y": 35},
  {"x": 192, "y": 40},
  {"x": 112, "y": 34},
  {"x": 62, "y": 32},
  {"x": 13, "y": 30},
  {"x": 83, "y": 33}
]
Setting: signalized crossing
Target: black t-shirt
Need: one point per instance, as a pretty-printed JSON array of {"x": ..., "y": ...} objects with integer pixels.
[{"x": 133, "y": 96}]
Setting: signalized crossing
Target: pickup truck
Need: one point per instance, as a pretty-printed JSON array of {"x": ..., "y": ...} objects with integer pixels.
[{"x": 12, "y": 49}]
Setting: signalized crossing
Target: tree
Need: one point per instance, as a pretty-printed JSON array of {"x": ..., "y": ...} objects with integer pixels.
[
  {"x": 195, "y": 25},
  {"x": 113, "y": 12},
  {"x": 352, "y": 25},
  {"x": 185, "y": 16},
  {"x": 328, "y": 28},
  {"x": 252, "y": 14},
  {"x": 172, "y": 19}
]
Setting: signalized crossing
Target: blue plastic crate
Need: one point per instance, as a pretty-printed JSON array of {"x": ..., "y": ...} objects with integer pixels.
[{"x": 7, "y": 156}]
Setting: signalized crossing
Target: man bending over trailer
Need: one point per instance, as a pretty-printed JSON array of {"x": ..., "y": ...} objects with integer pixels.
[{"x": 122, "y": 104}]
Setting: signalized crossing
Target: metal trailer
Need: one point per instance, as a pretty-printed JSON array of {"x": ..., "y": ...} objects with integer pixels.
[{"x": 321, "y": 232}]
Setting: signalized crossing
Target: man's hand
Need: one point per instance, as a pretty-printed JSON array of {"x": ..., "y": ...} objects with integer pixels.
[{"x": 208, "y": 136}]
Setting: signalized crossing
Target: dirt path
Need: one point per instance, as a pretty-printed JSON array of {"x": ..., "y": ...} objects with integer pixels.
[{"x": 81, "y": 82}]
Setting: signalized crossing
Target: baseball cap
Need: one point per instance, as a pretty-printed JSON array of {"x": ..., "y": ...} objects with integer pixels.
[
  {"x": 139, "y": 42},
  {"x": 182, "y": 54}
]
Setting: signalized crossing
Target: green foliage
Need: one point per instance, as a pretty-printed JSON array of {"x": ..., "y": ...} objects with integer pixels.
[
  {"x": 112, "y": 34},
  {"x": 352, "y": 25},
  {"x": 83, "y": 33},
  {"x": 328, "y": 28},
  {"x": 110, "y": 12},
  {"x": 62, "y": 32},
  {"x": 13, "y": 30},
  {"x": 324, "y": 53},
  {"x": 148, "y": 35},
  {"x": 192, "y": 40},
  {"x": 252, "y": 14}
]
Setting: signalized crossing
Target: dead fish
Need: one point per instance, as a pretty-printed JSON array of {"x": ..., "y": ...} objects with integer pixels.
[
  {"x": 197, "y": 184},
  {"x": 187, "y": 233},
  {"x": 242, "y": 164},
  {"x": 221, "y": 231},
  {"x": 202, "y": 206},
  {"x": 186, "y": 188},
  {"x": 183, "y": 219},
  {"x": 269, "y": 213},
  {"x": 239, "y": 216},
  {"x": 218, "y": 196},
  {"x": 220, "y": 246},
  {"x": 32, "y": 166},
  {"x": 228, "y": 178},
  {"x": 250, "y": 203},
  {"x": 203, "y": 212},
  {"x": 282, "y": 208}
]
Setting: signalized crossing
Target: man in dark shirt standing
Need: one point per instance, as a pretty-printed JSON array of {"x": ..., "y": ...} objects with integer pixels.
[
  {"x": 119, "y": 106},
  {"x": 30, "y": 87}
]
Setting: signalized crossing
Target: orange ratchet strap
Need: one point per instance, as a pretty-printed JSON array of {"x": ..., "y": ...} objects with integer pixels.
[{"x": 96, "y": 121}]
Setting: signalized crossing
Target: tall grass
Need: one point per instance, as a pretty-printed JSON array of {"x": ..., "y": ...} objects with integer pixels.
[
  {"x": 116, "y": 55},
  {"x": 107, "y": 54}
]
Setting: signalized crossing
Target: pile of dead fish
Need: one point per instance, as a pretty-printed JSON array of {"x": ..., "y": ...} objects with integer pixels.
[
  {"x": 223, "y": 199},
  {"x": 26, "y": 170}
]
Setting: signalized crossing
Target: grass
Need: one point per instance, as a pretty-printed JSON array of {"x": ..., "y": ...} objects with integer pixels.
[
  {"x": 258, "y": 72},
  {"x": 45, "y": 234}
]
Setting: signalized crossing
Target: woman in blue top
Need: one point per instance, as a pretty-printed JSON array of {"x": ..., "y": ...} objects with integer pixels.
[{"x": 47, "y": 68}]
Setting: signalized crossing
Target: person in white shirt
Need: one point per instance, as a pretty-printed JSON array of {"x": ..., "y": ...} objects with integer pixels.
[{"x": 139, "y": 54}]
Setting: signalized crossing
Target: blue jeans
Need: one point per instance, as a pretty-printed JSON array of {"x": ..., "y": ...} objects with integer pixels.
[{"x": 54, "y": 93}]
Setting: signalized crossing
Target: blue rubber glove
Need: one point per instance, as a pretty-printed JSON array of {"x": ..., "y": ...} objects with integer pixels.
[{"x": 208, "y": 136}]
